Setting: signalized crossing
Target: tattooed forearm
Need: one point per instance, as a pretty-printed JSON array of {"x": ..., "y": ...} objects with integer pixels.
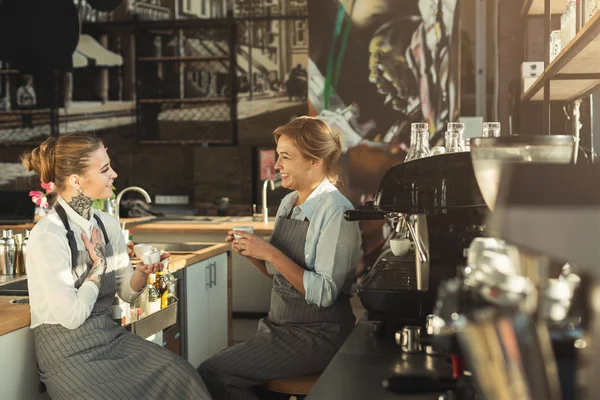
[
  {"x": 97, "y": 271},
  {"x": 100, "y": 252},
  {"x": 81, "y": 204}
]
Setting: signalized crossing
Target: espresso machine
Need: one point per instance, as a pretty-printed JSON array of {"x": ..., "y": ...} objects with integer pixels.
[{"x": 436, "y": 203}]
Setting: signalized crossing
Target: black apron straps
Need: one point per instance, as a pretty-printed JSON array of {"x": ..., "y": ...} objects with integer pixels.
[
  {"x": 103, "y": 229},
  {"x": 71, "y": 236}
]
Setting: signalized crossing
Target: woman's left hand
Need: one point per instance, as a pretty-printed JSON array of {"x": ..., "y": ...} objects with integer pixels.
[
  {"x": 152, "y": 268},
  {"x": 252, "y": 246}
]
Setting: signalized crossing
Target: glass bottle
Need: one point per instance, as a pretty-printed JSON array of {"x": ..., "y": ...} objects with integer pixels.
[
  {"x": 491, "y": 129},
  {"x": 419, "y": 141},
  {"x": 24, "y": 249},
  {"x": 454, "y": 137},
  {"x": 171, "y": 283},
  {"x": 161, "y": 286},
  {"x": 141, "y": 302},
  {"x": 153, "y": 295}
]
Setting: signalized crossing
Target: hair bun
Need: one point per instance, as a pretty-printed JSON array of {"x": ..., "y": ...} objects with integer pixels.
[
  {"x": 338, "y": 139},
  {"x": 41, "y": 160}
]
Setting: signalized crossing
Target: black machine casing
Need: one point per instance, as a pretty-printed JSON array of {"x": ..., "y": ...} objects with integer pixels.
[{"x": 441, "y": 183}]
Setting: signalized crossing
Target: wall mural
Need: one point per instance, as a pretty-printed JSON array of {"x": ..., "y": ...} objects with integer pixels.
[{"x": 376, "y": 66}]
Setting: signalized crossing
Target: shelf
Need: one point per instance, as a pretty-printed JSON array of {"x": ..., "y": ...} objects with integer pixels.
[
  {"x": 185, "y": 101},
  {"x": 575, "y": 72},
  {"x": 184, "y": 59},
  {"x": 536, "y": 7},
  {"x": 155, "y": 322}
]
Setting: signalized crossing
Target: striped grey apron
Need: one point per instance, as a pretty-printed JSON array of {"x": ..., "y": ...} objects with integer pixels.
[
  {"x": 101, "y": 360},
  {"x": 295, "y": 339}
]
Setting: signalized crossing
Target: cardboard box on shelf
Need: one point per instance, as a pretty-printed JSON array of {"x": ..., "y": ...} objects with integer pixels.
[{"x": 532, "y": 69}]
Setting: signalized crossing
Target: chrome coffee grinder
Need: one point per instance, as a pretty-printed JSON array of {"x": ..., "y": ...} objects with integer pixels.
[{"x": 506, "y": 306}]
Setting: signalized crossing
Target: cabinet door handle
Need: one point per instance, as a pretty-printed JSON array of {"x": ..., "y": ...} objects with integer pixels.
[
  {"x": 208, "y": 271},
  {"x": 214, "y": 266}
]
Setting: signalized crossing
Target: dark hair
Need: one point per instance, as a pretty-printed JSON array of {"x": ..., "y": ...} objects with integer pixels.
[
  {"x": 315, "y": 140},
  {"x": 57, "y": 158}
]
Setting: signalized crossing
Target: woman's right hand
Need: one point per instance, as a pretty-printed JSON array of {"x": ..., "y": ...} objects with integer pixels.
[
  {"x": 229, "y": 239},
  {"x": 260, "y": 264},
  {"x": 97, "y": 251}
]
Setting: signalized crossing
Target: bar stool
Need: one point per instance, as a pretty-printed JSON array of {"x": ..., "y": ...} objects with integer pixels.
[{"x": 299, "y": 386}]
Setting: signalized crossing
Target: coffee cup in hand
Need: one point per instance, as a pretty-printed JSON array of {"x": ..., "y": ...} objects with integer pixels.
[
  {"x": 151, "y": 257},
  {"x": 141, "y": 248},
  {"x": 243, "y": 228}
]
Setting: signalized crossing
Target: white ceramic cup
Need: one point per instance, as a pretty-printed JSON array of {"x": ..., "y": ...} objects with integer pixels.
[
  {"x": 141, "y": 248},
  {"x": 401, "y": 246},
  {"x": 243, "y": 228},
  {"x": 151, "y": 257}
]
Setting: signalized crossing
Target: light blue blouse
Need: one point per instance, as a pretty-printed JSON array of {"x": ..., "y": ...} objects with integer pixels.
[{"x": 333, "y": 244}]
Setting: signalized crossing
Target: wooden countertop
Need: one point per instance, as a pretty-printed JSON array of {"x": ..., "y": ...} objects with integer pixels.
[
  {"x": 13, "y": 316},
  {"x": 180, "y": 260},
  {"x": 158, "y": 226},
  {"x": 17, "y": 316},
  {"x": 22, "y": 227}
]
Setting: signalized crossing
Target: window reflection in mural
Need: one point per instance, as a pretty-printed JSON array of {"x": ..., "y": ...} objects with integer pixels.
[{"x": 107, "y": 79}]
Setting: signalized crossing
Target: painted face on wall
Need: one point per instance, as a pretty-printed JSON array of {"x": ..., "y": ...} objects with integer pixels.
[{"x": 389, "y": 69}]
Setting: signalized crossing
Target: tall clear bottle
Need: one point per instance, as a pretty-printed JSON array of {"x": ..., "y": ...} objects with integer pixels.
[
  {"x": 419, "y": 141},
  {"x": 171, "y": 282},
  {"x": 455, "y": 137},
  {"x": 491, "y": 129},
  {"x": 153, "y": 295}
]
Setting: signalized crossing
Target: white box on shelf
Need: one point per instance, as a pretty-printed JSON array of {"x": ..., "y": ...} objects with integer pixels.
[
  {"x": 526, "y": 83},
  {"x": 532, "y": 69}
]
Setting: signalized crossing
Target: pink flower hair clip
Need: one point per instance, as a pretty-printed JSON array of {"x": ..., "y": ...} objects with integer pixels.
[{"x": 40, "y": 198}]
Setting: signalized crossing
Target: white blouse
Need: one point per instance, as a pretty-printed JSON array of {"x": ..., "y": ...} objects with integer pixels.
[{"x": 52, "y": 295}]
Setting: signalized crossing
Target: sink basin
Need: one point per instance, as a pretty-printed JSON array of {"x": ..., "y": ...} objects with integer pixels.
[
  {"x": 188, "y": 247},
  {"x": 247, "y": 218},
  {"x": 18, "y": 288}
]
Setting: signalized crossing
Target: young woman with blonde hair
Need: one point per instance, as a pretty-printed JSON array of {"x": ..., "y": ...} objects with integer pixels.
[{"x": 311, "y": 257}]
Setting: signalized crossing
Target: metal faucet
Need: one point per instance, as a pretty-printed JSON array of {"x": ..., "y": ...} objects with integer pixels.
[
  {"x": 274, "y": 185},
  {"x": 128, "y": 189}
]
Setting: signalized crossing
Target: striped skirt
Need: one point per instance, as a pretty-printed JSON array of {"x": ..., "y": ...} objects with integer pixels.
[{"x": 101, "y": 360}]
